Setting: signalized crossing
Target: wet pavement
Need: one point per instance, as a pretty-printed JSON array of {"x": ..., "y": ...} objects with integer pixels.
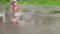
[
  {"x": 39, "y": 26},
  {"x": 31, "y": 28}
]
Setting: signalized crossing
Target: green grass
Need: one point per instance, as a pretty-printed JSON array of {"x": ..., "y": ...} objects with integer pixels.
[
  {"x": 4, "y": 2},
  {"x": 35, "y": 2},
  {"x": 41, "y": 2},
  {"x": 56, "y": 11}
]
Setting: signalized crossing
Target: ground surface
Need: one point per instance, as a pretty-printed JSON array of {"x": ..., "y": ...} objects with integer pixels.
[{"x": 31, "y": 28}]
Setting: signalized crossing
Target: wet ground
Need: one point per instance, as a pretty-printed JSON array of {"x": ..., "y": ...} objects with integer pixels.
[
  {"x": 31, "y": 28},
  {"x": 39, "y": 26}
]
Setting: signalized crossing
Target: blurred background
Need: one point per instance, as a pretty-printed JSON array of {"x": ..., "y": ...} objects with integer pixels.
[{"x": 33, "y": 17}]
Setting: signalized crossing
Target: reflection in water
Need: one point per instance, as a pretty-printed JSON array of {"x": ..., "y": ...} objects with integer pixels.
[
  {"x": 38, "y": 25},
  {"x": 48, "y": 20},
  {"x": 39, "y": 20}
]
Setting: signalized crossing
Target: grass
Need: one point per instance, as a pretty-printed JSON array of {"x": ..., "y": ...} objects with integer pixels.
[
  {"x": 56, "y": 12},
  {"x": 41, "y": 2},
  {"x": 35, "y": 2}
]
